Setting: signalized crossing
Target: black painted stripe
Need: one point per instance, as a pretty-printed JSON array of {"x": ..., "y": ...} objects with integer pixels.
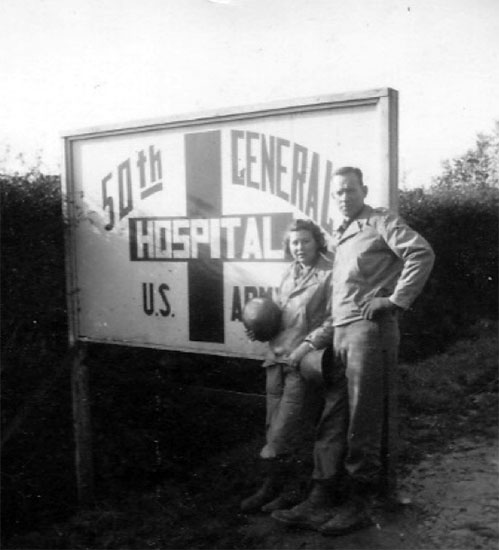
[{"x": 203, "y": 175}]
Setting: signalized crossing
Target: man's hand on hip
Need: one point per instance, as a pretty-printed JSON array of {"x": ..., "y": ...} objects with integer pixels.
[{"x": 376, "y": 306}]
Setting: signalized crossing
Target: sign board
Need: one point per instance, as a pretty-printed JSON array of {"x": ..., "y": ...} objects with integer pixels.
[{"x": 174, "y": 224}]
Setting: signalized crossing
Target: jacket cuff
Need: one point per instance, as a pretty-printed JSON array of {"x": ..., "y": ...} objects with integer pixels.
[
  {"x": 310, "y": 343},
  {"x": 398, "y": 304}
]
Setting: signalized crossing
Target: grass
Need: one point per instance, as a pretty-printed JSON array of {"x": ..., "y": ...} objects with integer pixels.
[{"x": 172, "y": 460}]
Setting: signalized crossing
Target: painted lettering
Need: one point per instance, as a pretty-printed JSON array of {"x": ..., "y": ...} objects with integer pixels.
[
  {"x": 141, "y": 165},
  {"x": 313, "y": 185},
  {"x": 281, "y": 168},
  {"x": 237, "y": 174},
  {"x": 230, "y": 225},
  {"x": 326, "y": 221},
  {"x": 119, "y": 190},
  {"x": 299, "y": 175},
  {"x": 144, "y": 240},
  {"x": 285, "y": 169},
  {"x": 252, "y": 246},
  {"x": 236, "y": 238},
  {"x": 163, "y": 238},
  {"x": 108, "y": 201},
  {"x": 148, "y": 298},
  {"x": 149, "y": 303},
  {"x": 125, "y": 188},
  {"x": 180, "y": 239},
  {"x": 268, "y": 164},
  {"x": 237, "y": 308},
  {"x": 166, "y": 309},
  {"x": 250, "y": 159}
]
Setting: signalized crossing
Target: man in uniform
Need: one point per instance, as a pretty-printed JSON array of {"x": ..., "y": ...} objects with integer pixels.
[{"x": 380, "y": 267}]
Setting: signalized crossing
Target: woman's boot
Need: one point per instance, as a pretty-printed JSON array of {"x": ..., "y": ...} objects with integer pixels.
[
  {"x": 273, "y": 482},
  {"x": 313, "y": 511}
]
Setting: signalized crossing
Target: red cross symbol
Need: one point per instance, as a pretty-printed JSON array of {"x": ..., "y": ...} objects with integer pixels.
[{"x": 203, "y": 162}]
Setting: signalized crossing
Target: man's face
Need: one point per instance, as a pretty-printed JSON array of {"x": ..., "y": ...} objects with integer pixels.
[{"x": 349, "y": 194}]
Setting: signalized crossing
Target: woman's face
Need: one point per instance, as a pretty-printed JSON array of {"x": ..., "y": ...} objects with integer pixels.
[{"x": 303, "y": 246}]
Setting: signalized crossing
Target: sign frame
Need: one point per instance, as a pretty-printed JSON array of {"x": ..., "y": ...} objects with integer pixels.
[{"x": 385, "y": 100}]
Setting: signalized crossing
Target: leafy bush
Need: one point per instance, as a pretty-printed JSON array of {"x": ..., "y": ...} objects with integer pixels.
[
  {"x": 32, "y": 269},
  {"x": 475, "y": 170},
  {"x": 36, "y": 401},
  {"x": 458, "y": 215}
]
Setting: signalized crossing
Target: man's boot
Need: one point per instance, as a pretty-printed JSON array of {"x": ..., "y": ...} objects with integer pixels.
[
  {"x": 284, "y": 500},
  {"x": 353, "y": 514},
  {"x": 312, "y": 512},
  {"x": 271, "y": 487}
]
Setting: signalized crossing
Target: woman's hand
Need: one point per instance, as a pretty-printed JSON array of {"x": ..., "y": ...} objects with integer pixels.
[{"x": 298, "y": 354}]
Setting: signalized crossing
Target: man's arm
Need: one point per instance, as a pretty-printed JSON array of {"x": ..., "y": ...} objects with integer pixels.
[
  {"x": 322, "y": 336},
  {"x": 417, "y": 257}
]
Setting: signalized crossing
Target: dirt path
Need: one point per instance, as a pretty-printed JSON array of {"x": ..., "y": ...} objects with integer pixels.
[{"x": 455, "y": 506}]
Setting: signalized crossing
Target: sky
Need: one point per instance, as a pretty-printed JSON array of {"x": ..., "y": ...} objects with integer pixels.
[{"x": 70, "y": 64}]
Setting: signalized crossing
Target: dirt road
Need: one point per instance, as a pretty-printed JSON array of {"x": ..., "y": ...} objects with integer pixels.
[{"x": 454, "y": 506}]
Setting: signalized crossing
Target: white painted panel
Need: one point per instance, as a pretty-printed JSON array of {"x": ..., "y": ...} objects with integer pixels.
[{"x": 135, "y": 242}]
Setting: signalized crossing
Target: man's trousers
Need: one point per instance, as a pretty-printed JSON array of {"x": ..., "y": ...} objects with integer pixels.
[{"x": 367, "y": 351}]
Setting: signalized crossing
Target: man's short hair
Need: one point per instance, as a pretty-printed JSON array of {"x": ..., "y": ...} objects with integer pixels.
[{"x": 345, "y": 170}]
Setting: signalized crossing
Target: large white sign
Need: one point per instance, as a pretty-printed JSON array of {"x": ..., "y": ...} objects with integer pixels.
[{"x": 175, "y": 224}]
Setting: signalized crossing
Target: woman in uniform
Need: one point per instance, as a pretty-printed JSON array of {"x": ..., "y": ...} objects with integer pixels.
[{"x": 304, "y": 298}]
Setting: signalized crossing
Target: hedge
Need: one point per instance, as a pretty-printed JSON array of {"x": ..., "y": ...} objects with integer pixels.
[{"x": 461, "y": 225}]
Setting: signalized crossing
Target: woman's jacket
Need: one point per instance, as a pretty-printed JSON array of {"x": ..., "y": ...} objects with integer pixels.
[{"x": 305, "y": 302}]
